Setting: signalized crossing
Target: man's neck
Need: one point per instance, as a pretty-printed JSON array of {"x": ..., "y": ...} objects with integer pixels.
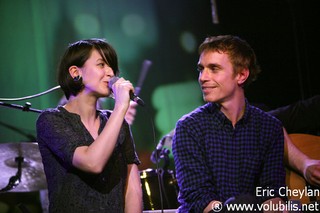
[{"x": 234, "y": 110}]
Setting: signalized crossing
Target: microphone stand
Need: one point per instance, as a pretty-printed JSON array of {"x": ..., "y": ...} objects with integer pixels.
[
  {"x": 25, "y": 108},
  {"x": 16, "y": 179},
  {"x": 157, "y": 155}
]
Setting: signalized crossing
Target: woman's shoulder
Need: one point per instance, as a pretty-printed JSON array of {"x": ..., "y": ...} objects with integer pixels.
[
  {"x": 52, "y": 110},
  {"x": 52, "y": 113}
]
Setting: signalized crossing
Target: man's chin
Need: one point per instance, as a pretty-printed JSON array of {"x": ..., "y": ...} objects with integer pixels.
[{"x": 209, "y": 99}]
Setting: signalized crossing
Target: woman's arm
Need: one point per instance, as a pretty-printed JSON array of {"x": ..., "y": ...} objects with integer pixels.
[
  {"x": 133, "y": 193},
  {"x": 93, "y": 158}
]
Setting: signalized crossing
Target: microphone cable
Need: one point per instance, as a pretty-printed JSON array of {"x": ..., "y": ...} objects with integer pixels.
[
  {"x": 159, "y": 176},
  {"x": 31, "y": 96},
  {"x": 146, "y": 64}
]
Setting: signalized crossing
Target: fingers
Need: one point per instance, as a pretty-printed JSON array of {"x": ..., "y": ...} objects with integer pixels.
[
  {"x": 131, "y": 113},
  {"x": 313, "y": 174},
  {"x": 121, "y": 90},
  {"x": 122, "y": 84}
]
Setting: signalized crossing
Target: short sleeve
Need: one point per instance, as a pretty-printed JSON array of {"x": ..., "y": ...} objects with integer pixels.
[{"x": 55, "y": 133}]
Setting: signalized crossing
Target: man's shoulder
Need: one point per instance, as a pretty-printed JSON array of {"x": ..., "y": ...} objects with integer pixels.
[
  {"x": 198, "y": 113},
  {"x": 262, "y": 115}
]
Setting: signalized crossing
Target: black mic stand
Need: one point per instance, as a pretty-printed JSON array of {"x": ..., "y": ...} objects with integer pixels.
[
  {"x": 25, "y": 108},
  {"x": 156, "y": 157},
  {"x": 16, "y": 179}
]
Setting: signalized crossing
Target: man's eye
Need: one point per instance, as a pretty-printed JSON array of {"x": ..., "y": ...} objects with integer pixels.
[{"x": 199, "y": 69}]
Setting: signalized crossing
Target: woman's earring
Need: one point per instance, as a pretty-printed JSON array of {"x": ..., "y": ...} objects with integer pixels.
[{"x": 77, "y": 78}]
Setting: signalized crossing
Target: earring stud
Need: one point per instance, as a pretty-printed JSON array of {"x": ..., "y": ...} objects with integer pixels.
[{"x": 77, "y": 78}]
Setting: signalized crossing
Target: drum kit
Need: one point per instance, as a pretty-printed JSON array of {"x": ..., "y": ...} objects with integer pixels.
[
  {"x": 22, "y": 171},
  {"x": 21, "y": 163}
]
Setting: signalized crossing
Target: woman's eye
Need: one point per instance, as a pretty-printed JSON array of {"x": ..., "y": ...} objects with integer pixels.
[{"x": 101, "y": 65}]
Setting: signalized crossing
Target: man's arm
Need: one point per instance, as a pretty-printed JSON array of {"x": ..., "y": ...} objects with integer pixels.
[
  {"x": 300, "y": 162},
  {"x": 195, "y": 184}
]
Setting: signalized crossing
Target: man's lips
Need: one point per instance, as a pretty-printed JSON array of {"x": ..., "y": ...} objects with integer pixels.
[{"x": 208, "y": 88}]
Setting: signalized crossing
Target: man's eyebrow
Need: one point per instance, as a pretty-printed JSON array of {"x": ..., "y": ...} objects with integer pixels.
[
  {"x": 211, "y": 65},
  {"x": 214, "y": 65}
]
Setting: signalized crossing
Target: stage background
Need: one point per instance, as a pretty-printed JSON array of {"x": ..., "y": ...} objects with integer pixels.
[{"x": 34, "y": 33}]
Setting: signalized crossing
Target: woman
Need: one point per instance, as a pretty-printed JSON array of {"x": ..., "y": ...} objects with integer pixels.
[{"x": 89, "y": 156}]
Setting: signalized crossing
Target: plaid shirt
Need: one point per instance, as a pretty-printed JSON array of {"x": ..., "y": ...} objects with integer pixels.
[{"x": 215, "y": 161}]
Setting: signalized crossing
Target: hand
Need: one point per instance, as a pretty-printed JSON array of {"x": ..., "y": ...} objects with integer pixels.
[
  {"x": 312, "y": 172},
  {"x": 131, "y": 113},
  {"x": 121, "y": 91}
]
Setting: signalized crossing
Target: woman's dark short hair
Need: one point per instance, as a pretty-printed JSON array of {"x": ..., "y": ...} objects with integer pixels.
[
  {"x": 77, "y": 54},
  {"x": 240, "y": 53}
]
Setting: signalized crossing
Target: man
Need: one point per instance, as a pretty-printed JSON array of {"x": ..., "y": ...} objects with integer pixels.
[{"x": 227, "y": 151}]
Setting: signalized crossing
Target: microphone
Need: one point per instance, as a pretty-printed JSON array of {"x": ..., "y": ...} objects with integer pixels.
[
  {"x": 156, "y": 154},
  {"x": 144, "y": 70},
  {"x": 133, "y": 96}
]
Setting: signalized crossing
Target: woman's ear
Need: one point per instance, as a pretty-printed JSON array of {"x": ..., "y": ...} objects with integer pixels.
[
  {"x": 74, "y": 72},
  {"x": 243, "y": 76}
]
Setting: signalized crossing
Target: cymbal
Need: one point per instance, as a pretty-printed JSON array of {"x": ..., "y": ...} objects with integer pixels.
[{"x": 32, "y": 172}]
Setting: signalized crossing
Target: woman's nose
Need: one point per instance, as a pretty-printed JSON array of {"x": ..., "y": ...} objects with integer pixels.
[{"x": 109, "y": 72}]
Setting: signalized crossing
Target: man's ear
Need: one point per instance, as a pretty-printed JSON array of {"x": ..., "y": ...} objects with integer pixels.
[
  {"x": 243, "y": 76},
  {"x": 74, "y": 71}
]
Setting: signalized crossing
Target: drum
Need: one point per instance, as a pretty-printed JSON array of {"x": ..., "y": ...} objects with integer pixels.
[{"x": 159, "y": 182}]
